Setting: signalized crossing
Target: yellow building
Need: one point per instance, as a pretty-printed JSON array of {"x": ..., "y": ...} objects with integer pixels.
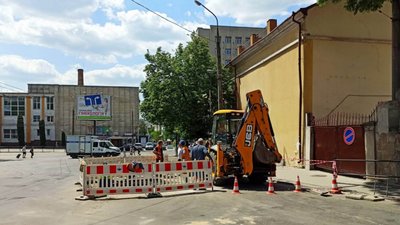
[{"x": 342, "y": 64}]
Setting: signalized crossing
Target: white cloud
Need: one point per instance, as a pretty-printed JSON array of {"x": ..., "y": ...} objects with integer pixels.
[
  {"x": 17, "y": 71},
  {"x": 254, "y": 12},
  {"x": 130, "y": 33}
]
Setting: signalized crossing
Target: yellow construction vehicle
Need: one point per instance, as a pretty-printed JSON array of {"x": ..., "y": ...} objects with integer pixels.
[{"x": 245, "y": 143}]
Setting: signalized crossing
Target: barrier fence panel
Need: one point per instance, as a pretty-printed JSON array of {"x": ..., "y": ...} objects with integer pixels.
[
  {"x": 183, "y": 175},
  {"x": 116, "y": 179},
  {"x": 109, "y": 179}
]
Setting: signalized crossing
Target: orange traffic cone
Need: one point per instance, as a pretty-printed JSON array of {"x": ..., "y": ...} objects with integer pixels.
[
  {"x": 298, "y": 185},
  {"x": 271, "y": 189},
  {"x": 236, "y": 186},
  {"x": 335, "y": 189}
]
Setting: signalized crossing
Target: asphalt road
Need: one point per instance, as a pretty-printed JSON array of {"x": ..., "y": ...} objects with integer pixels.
[{"x": 41, "y": 191}]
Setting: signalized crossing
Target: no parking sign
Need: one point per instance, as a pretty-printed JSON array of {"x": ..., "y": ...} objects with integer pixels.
[{"x": 349, "y": 135}]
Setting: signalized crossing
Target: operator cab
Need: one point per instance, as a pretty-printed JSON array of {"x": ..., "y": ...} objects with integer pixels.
[{"x": 225, "y": 126}]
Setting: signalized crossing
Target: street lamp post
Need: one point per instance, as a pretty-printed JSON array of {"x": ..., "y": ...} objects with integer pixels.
[{"x": 219, "y": 78}]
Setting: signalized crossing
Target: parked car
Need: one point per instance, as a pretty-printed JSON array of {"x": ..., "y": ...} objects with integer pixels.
[
  {"x": 170, "y": 147},
  {"x": 149, "y": 146}
]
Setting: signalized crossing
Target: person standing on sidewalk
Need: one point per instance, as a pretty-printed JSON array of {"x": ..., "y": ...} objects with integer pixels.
[
  {"x": 24, "y": 151},
  {"x": 158, "y": 151},
  {"x": 31, "y": 151},
  {"x": 199, "y": 152},
  {"x": 183, "y": 152}
]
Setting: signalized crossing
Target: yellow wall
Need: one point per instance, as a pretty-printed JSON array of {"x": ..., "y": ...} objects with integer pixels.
[
  {"x": 279, "y": 84},
  {"x": 351, "y": 59},
  {"x": 342, "y": 55}
]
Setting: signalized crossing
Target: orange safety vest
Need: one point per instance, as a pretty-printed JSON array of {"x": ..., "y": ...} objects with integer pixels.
[{"x": 186, "y": 153}]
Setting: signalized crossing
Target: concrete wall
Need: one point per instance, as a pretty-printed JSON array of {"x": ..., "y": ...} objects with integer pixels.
[{"x": 388, "y": 139}]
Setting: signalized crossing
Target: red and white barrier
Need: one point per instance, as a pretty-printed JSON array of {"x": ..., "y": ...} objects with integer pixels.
[{"x": 108, "y": 179}]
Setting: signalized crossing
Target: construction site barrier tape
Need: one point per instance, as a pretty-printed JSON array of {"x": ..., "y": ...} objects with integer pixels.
[{"x": 319, "y": 162}]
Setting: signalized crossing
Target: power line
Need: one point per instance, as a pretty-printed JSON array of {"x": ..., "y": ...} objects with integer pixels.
[
  {"x": 168, "y": 20},
  {"x": 10, "y": 87},
  {"x": 162, "y": 16}
]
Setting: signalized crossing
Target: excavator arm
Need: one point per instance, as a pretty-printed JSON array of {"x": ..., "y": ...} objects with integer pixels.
[{"x": 255, "y": 125}]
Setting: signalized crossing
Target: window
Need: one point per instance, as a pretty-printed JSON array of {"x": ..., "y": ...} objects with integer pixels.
[
  {"x": 10, "y": 133},
  {"x": 247, "y": 40},
  {"x": 95, "y": 144},
  {"x": 36, "y": 102},
  {"x": 48, "y": 132},
  {"x": 228, "y": 39},
  {"x": 50, "y": 103},
  {"x": 238, "y": 40},
  {"x": 36, "y": 118},
  {"x": 37, "y": 132},
  {"x": 14, "y": 106},
  {"x": 227, "y": 51},
  {"x": 50, "y": 119}
]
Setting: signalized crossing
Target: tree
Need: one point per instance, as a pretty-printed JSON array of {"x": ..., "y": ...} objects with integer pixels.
[
  {"x": 42, "y": 133},
  {"x": 374, "y": 5},
  {"x": 21, "y": 130},
  {"x": 177, "y": 89}
]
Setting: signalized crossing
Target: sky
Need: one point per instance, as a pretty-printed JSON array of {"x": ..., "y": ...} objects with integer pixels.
[{"x": 46, "y": 41}]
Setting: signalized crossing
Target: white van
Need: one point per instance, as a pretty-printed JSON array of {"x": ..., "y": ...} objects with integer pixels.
[{"x": 81, "y": 145}]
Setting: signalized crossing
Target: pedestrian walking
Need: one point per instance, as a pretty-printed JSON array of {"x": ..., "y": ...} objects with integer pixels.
[
  {"x": 24, "y": 151},
  {"x": 31, "y": 151},
  {"x": 158, "y": 151}
]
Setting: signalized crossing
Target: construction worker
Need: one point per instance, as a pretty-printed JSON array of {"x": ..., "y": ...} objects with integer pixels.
[
  {"x": 158, "y": 151},
  {"x": 183, "y": 152}
]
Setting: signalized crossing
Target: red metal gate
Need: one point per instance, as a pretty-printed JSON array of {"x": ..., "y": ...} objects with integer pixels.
[{"x": 340, "y": 142}]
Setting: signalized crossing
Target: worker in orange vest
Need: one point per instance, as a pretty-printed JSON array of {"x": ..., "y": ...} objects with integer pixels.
[
  {"x": 158, "y": 151},
  {"x": 184, "y": 152}
]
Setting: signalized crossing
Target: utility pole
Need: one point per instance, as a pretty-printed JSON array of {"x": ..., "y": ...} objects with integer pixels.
[{"x": 219, "y": 69}]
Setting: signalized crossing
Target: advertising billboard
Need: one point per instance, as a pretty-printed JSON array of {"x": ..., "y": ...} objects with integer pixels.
[{"x": 94, "y": 107}]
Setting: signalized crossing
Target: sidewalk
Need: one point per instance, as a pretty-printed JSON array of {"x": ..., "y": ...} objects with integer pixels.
[{"x": 321, "y": 182}]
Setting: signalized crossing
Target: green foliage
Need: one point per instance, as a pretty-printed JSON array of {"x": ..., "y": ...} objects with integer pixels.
[
  {"x": 358, "y": 5},
  {"x": 177, "y": 87},
  {"x": 156, "y": 135},
  {"x": 63, "y": 139},
  {"x": 42, "y": 133},
  {"x": 21, "y": 130}
]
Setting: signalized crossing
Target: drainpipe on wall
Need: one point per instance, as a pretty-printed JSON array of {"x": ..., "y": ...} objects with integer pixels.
[{"x": 299, "y": 148}]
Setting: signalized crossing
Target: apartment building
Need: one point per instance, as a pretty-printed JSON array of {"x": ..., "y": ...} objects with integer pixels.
[{"x": 231, "y": 39}]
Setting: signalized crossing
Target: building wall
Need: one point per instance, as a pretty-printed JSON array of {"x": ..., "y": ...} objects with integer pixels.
[
  {"x": 9, "y": 122},
  {"x": 345, "y": 66},
  {"x": 124, "y": 109},
  {"x": 351, "y": 57},
  {"x": 224, "y": 32},
  {"x": 278, "y": 82}
]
